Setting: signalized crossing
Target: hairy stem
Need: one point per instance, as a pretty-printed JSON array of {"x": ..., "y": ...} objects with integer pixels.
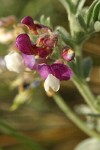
[
  {"x": 72, "y": 116},
  {"x": 86, "y": 93}
]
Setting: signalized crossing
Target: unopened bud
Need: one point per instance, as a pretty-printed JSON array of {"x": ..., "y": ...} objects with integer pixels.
[{"x": 68, "y": 54}]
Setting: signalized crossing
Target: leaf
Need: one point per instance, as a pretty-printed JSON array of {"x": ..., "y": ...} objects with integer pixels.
[
  {"x": 90, "y": 12},
  {"x": 96, "y": 11},
  {"x": 90, "y": 144},
  {"x": 80, "y": 4},
  {"x": 45, "y": 21},
  {"x": 65, "y": 35},
  {"x": 97, "y": 26},
  {"x": 82, "y": 22},
  {"x": 87, "y": 66},
  {"x": 69, "y": 6}
]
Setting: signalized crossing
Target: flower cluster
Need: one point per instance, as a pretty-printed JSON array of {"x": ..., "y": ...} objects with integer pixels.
[{"x": 36, "y": 56}]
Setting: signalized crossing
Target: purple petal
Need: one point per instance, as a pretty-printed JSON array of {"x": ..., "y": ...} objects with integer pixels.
[
  {"x": 44, "y": 70},
  {"x": 61, "y": 71},
  {"x": 29, "y": 61},
  {"x": 24, "y": 44},
  {"x": 27, "y": 21}
]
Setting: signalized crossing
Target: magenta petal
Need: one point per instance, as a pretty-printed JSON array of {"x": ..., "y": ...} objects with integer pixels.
[
  {"x": 61, "y": 71},
  {"x": 44, "y": 70},
  {"x": 27, "y": 21},
  {"x": 29, "y": 61},
  {"x": 24, "y": 44}
]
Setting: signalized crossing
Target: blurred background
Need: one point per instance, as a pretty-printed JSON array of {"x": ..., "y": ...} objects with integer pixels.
[{"x": 40, "y": 118}]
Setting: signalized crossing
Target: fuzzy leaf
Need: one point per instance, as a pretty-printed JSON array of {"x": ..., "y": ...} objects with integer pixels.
[
  {"x": 69, "y": 6},
  {"x": 96, "y": 11},
  {"x": 82, "y": 22},
  {"x": 80, "y": 4},
  {"x": 87, "y": 65},
  {"x": 65, "y": 35},
  {"x": 97, "y": 26},
  {"x": 45, "y": 21},
  {"x": 90, "y": 11}
]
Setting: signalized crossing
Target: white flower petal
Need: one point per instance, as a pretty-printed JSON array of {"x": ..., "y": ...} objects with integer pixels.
[
  {"x": 51, "y": 82},
  {"x": 14, "y": 62}
]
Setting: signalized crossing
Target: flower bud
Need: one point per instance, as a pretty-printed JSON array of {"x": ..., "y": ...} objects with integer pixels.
[
  {"x": 14, "y": 62},
  {"x": 48, "y": 40},
  {"x": 68, "y": 54}
]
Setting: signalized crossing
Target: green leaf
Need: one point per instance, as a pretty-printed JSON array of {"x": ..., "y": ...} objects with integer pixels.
[
  {"x": 45, "y": 21},
  {"x": 96, "y": 11},
  {"x": 65, "y": 35},
  {"x": 80, "y": 4},
  {"x": 90, "y": 144},
  {"x": 82, "y": 22},
  {"x": 26, "y": 141},
  {"x": 69, "y": 6},
  {"x": 97, "y": 26},
  {"x": 87, "y": 66},
  {"x": 90, "y": 11}
]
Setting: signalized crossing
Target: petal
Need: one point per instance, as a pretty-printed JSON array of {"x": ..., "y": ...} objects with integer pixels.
[
  {"x": 14, "y": 62},
  {"x": 43, "y": 52},
  {"x": 29, "y": 61},
  {"x": 51, "y": 82},
  {"x": 44, "y": 70},
  {"x": 24, "y": 44},
  {"x": 61, "y": 71},
  {"x": 27, "y": 21}
]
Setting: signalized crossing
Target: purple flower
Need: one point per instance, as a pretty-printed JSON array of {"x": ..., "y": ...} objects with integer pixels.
[
  {"x": 28, "y": 21},
  {"x": 48, "y": 40},
  {"x": 60, "y": 71},
  {"x": 24, "y": 44}
]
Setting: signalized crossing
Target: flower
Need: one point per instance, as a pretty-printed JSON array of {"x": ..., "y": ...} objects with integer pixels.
[
  {"x": 5, "y": 36},
  {"x": 68, "y": 54},
  {"x": 25, "y": 45},
  {"x": 14, "y": 62},
  {"x": 34, "y": 27},
  {"x": 60, "y": 71},
  {"x": 53, "y": 74},
  {"x": 51, "y": 84},
  {"x": 48, "y": 40}
]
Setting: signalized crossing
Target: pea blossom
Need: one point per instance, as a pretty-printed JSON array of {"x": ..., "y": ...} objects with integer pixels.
[
  {"x": 34, "y": 27},
  {"x": 53, "y": 74},
  {"x": 35, "y": 55},
  {"x": 14, "y": 62}
]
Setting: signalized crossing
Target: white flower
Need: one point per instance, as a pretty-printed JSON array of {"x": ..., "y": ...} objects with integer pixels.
[
  {"x": 14, "y": 62},
  {"x": 5, "y": 36},
  {"x": 51, "y": 83}
]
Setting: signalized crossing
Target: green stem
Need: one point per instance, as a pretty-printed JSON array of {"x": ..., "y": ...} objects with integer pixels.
[
  {"x": 72, "y": 116},
  {"x": 85, "y": 92}
]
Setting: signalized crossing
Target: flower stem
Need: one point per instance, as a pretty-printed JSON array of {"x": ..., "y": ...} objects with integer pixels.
[
  {"x": 86, "y": 93},
  {"x": 72, "y": 116}
]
